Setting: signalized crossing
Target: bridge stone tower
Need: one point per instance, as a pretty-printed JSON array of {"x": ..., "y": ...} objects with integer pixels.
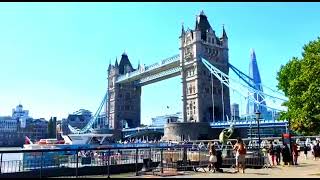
[
  {"x": 204, "y": 98},
  {"x": 123, "y": 103},
  {"x": 198, "y": 98}
]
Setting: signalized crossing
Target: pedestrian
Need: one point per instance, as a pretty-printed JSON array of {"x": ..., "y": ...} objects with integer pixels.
[
  {"x": 277, "y": 152},
  {"x": 311, "y": 148},
  {"x": 218, "y": 164},
  {"x": 286, "y": 157},
  {"x": 213, "y": 158},
  {"x": 295, "y": 153},
  {"x": 316, "y": 151},
  {"x": 241, "y": 152},
  {"x": 305, "y": 151},
  {"x": 272, "y": 153}
]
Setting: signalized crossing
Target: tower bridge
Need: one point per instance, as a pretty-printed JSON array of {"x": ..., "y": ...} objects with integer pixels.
[
  {"x": 125, "y": 82},
  {"x": 203, "y": 65}
]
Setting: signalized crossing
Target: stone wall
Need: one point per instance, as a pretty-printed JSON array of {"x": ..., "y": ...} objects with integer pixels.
[{"x": 185, "y": 131}]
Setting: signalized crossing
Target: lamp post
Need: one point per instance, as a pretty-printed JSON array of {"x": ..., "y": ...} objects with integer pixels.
[
  {"x": 290, "y": 144},
  {"x": 258, "y": 121},
  {"x": 251, "y": 132}
]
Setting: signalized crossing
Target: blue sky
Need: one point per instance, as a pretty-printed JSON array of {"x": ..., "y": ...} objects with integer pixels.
[{"x": 54, "y": 56}]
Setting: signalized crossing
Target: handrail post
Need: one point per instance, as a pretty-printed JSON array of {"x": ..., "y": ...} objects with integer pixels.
[
  {"x": 161, "y": 160},
  {"x": 1, "y": 163},
  {"x": 199, "y": 156},
  {"x": 136, "y": 161},
  {"x": 150, "y": 159},
  {"x": 185, "y": 156},
  {"x": 41, "y": 164},
  {"x": 108, "y": 156},
  {"x": 77, "y": 165}
]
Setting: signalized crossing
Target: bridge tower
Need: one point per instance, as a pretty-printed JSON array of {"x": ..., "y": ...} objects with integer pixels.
[
  {"x": 196, "y": 78},
  {"x": 123, "y": 103}
]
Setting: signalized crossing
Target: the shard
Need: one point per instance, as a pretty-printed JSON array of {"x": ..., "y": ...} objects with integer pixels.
[{"x": 255, "y": 75}]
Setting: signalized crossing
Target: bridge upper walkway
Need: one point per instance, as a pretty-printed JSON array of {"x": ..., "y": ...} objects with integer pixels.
[{"x": 164, "y": 69}]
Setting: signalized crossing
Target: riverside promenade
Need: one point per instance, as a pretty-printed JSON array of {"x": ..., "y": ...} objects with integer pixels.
[{"x": 306, "y": 169}]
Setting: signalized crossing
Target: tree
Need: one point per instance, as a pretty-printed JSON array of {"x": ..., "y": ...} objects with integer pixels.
[{"x": 299, "y": 79}]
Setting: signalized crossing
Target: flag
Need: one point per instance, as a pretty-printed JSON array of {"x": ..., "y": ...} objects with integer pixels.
[{"x": 27, "y": 140}]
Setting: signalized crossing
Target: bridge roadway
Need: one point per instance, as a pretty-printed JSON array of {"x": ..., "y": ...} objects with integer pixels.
[{"x": 217, "y": 125}]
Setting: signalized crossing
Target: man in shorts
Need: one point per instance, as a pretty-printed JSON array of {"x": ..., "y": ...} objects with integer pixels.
[{"x": 241, "y": 152}]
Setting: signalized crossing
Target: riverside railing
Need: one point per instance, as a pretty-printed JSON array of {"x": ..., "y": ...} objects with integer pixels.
[{"x": 114, "y": 160}]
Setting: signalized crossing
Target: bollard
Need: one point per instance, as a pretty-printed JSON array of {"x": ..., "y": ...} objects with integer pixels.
[{"x": 77, "y": 165}]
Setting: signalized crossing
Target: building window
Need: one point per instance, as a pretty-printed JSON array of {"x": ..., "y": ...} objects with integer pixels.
[{"x": 127, "y": 95}]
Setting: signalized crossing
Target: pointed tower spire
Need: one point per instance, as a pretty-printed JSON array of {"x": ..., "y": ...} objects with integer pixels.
[
  {"x": 109, "y": 65},
  {"x": 139, "y": 66},
  {"x": 255, "y": 75},
  {"x": 224, "y": 34},
  {"x": 116, "y": 63},
  {"x": 203, "y": 25},
  {"x": 182, "y": 30},
  {"x": 254, "y": 71}
]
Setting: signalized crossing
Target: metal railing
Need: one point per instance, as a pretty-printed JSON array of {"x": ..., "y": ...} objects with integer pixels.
[{"x": 116, "y": 160}]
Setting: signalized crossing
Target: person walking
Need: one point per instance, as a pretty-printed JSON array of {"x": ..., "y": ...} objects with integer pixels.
[
  {"x": 213, "y": 158},
  {"x": 286, "y": 157},
  {"x": 277, "y": 152},
  {"x": 272, "y": 153},
  {"x": 241, "y": 152},
  {"x": 305, "y": 151},
  {"x": 316, "y": 151},
  {"x": 312, "y": 149},
  {"x": 295, "y": 153}
]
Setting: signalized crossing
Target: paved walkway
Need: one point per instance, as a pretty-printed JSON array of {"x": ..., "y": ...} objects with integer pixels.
[{"x": 307, "y": 168}]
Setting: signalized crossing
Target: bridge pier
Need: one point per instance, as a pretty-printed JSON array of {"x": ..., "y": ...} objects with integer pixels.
[{"x": 186, "y": 131}]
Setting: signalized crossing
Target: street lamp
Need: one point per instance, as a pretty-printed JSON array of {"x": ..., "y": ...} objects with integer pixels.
[
  {"x": 290, "y": 144},
  {"x": 251, "y": 131},
  {"x": 258, "y": 121}
]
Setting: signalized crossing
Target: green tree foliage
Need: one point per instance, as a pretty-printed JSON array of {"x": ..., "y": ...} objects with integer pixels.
[{"x": 299, "y": 79}]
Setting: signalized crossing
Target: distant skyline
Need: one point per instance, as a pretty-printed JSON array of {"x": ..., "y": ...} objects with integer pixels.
[{"x": 54, "y": 56}]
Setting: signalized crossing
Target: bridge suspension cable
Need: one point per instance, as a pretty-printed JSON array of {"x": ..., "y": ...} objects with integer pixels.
[
  {"x": 249, "y": 81},
  {"x": 225, "y": 79},
  {"x": 94, "y": 118},
  {"x": 212, "y": 98}
]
